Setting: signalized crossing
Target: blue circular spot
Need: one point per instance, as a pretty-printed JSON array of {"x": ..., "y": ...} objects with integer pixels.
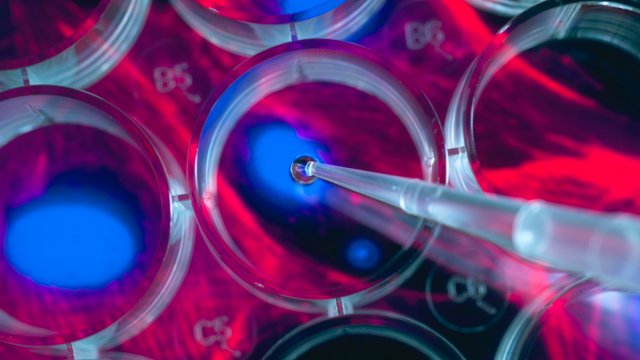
[
  {"x": 77, "y": 240},
  {"x": 273, "y": 148},
  {"x": 363, "y": 254}
]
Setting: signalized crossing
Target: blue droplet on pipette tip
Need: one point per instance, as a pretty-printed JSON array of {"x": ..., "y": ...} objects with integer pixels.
[
  {"x": 272, "y": 148},
  {"x": 300, "y": 171}
]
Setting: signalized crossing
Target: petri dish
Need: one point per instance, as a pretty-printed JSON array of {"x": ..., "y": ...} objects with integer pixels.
[
  {"x": 95, "y": 240},
  {"x": 68, "y": 43},
  {"x": 247, "y": 27},
  {"x": 579, "y": 321},
  {"x": 549, "y": 109},
  {"x": 508, "y": 8},
  {"x": 305, "y": 247},
  {"x": 366, "y": 335}
]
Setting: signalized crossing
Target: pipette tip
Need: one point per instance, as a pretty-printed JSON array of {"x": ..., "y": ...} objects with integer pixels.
[{"x": 302, "y": 169}]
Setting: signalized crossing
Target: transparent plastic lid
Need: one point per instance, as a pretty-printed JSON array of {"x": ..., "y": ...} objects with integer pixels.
[
  {"x": 92, "y": 246},
  {"x": 305, "y": 246}
]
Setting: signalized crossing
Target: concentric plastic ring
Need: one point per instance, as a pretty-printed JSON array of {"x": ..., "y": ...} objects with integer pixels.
[
  {"x": 256, "y": 231},
  {"x": 614, "y": 23},
  {"x": 247, "y": 27},
  {"x": 358, "y": 334}
]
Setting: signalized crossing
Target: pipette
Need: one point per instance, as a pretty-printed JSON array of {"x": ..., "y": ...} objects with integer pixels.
[{"x": 603, "y": 246}]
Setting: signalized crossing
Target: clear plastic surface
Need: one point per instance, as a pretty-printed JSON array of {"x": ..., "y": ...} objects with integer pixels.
[
  {"x": 67, "y": 43},
  {"x": 504, "y": 7},
  {"x": 95, "y": 240},
  {"x": 304, "y": 248},
  {"x": 365, "y": 335},
  {"x": 249, "y": 26}
]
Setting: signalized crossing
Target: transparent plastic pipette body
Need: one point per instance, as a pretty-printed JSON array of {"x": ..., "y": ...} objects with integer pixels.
[{"x": 605, "y": 246}]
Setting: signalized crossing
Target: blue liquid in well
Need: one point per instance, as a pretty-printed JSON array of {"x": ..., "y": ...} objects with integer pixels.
[
  {"x": 72, "y": 239},
  {"x": 363, "y": 254},
  {"x": 297, "y": 6},
  {"x": 273, "y": 147}
]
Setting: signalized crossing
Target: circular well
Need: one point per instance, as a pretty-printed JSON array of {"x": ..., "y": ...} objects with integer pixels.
[
  {"x": 363, "y": 336},
  {"x": 303, "y": 246},
  {"x": 549, "y": 110},
  {"x": 93, "y": 245},
  {"x": 247, "y": 27}
]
